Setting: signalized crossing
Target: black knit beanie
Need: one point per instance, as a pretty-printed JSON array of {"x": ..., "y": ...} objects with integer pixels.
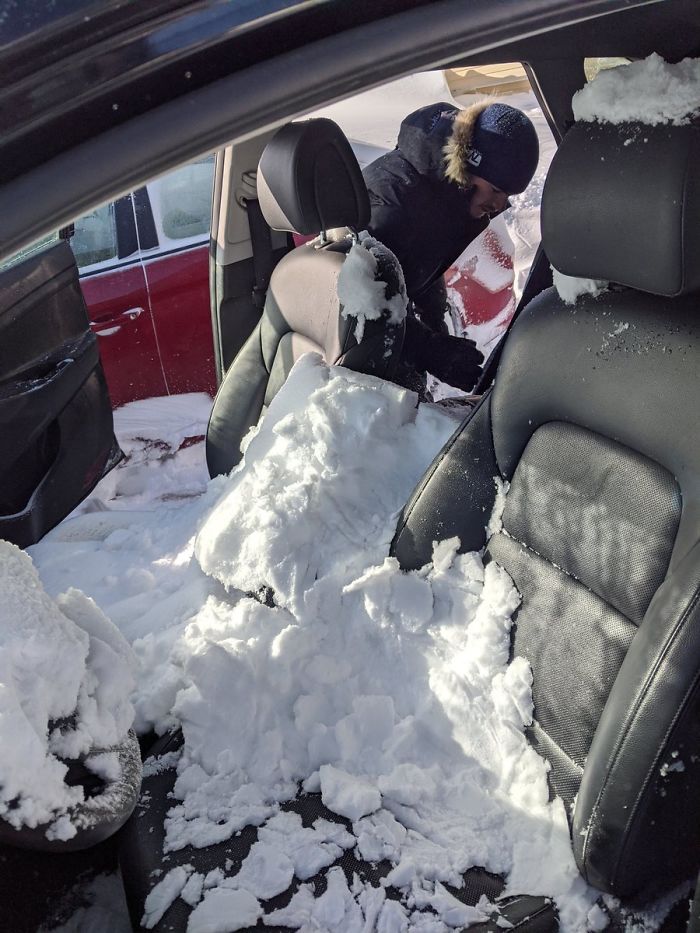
[{"x": 504, "y": 148}]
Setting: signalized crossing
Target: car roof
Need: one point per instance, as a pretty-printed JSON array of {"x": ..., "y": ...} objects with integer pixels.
[{"x": 96, "y": 101}]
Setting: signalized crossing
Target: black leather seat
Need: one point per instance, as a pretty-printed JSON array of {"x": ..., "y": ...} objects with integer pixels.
[
  {"x": 308, "y": 181},
  {"x": 594, "y": 419}
]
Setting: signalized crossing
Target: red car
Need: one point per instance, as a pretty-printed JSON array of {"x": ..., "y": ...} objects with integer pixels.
[{"x": 144, "y": 272}]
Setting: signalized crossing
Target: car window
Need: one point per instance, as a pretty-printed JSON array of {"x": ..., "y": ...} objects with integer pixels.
[
  {"x": 30, "y": 250},
  {"x": 181, "y": 200},
  {"x": 95, "y": 237}
]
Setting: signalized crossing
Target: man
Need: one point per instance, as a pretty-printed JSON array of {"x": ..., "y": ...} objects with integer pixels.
[{"x": 451, "y": 172}]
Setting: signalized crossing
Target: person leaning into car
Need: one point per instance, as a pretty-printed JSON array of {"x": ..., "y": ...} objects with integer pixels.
[{"x": 450, "y": 173}]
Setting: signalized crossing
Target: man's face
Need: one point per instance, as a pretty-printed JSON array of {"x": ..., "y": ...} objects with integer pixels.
[{"x": 485, "y": 199}]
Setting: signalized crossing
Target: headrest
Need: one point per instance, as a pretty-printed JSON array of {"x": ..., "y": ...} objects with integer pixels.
[
  {"x": 309, "y": 180},
  {"x": 622, "y": 203}
]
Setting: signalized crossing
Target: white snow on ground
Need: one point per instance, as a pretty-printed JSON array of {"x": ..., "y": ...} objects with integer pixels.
[
  {"x": 65, "y": 680},
  {"x": 649, "y": 91},
  {"x": 151, "y": 433}
]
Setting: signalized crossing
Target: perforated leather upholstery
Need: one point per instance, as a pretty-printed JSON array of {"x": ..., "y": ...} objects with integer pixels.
[{"x": 594, "y": 419}]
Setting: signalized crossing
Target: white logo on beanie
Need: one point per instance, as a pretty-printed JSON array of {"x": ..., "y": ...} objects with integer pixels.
[{"x": 474, "y": 157}]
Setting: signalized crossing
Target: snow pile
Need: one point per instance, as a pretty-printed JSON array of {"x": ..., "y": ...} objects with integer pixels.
[
  {"x": 362, "y": 295},
  {"x": 65, "y": 679},
  {"x": 650, "y": 91},
  {"x": 389, "y": 693},
  {"x": 330, "y": 467}
]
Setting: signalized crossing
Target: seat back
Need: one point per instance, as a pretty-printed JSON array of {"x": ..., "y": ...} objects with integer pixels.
[
  {"x": 594, "y": 421},
  {"x": 308, "y": 181}
]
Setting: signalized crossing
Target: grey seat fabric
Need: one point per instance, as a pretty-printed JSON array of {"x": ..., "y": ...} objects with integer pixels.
[
  {"x": 594, "y": 419},
  {"x": 595, "y": 423},
  {"x": 308, "y": 181}
]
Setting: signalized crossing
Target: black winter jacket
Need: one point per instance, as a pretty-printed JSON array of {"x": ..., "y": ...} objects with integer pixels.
[{"x": 421, "y": 216}]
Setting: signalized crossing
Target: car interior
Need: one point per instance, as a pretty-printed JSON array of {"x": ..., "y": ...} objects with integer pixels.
[{"x": 594, "y": 429}]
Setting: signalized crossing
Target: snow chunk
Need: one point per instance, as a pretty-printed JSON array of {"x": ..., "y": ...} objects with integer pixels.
[
  {"x": 362, "y": 295},
  {"x": 650, "y": 91},
  {"x": 570, "y": 287},
  {"x": 163, "y": 895},
  {"x": 347, "y": 795},
  {"x": 65, "y": 678},
  {"x": 224, "y": 910},
  {"x": 495, "y": 524},
  {"x": 265, "y": 872}
]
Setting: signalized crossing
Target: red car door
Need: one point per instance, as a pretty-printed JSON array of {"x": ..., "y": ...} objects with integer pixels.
[
  {"x": 115, "y": 291},
  {"x": 177, "y": 217}
]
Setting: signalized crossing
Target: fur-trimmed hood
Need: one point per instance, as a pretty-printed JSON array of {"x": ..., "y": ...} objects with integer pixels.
[{"x": 458, "y": 148}]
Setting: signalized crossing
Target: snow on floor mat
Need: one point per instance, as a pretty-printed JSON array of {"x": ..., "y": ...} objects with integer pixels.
[{"x": 385, "y": 695}]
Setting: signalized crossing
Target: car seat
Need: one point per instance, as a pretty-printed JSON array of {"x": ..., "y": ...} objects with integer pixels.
[
  {"x": 594, "y": 421},
  {"x": 309, "y": 181}
]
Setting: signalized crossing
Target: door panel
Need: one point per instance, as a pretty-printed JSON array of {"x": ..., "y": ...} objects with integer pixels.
[
  {"x": 55, "y": 410},
  {"x": 178, "y": 285},
  {"x": 121, "y": 317}
]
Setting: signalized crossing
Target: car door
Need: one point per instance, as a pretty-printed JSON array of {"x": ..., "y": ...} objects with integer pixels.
[
  {"x": 174, "y": 220},
  {"x": 113, "y": 281},
  {"x": 55, "y": 410}
]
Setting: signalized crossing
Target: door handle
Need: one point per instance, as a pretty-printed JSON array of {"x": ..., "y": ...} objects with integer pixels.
[
  {"x": 132, "y": 313},
  {"x": 112, "y": 323}
]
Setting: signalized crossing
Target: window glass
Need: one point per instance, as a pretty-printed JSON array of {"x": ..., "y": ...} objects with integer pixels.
[
  {"x": 30, "y": 250},
  {"x": 181, "y": 200},
  {"x": 95, "y": 237}
]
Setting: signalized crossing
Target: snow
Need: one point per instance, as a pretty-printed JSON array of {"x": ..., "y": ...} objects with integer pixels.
[
  {"x": 649, "y": 91},
  {"x": 65, "y": 676},
  {"x": 361, "y": 294},
  {"x": 163, "y": 894},
  {"x": 570, "y": 287},
  {"x": 388, "y": 692}
]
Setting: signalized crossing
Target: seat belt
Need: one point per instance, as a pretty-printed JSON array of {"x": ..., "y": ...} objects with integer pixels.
[{"x": 263, "y": 258}]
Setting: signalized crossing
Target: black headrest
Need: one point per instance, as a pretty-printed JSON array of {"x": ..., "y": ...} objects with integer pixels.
[
  {"x": 622, "y": 203},
  {"x": 309, "y": 180}
]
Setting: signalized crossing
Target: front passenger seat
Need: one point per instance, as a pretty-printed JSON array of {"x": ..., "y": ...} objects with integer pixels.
[{"x": 309, "y": 181}]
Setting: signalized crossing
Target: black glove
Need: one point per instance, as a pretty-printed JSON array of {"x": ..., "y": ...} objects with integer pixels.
[
  {"x": 434, "y": 318},
  {"x": 454, "y": 360}
]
